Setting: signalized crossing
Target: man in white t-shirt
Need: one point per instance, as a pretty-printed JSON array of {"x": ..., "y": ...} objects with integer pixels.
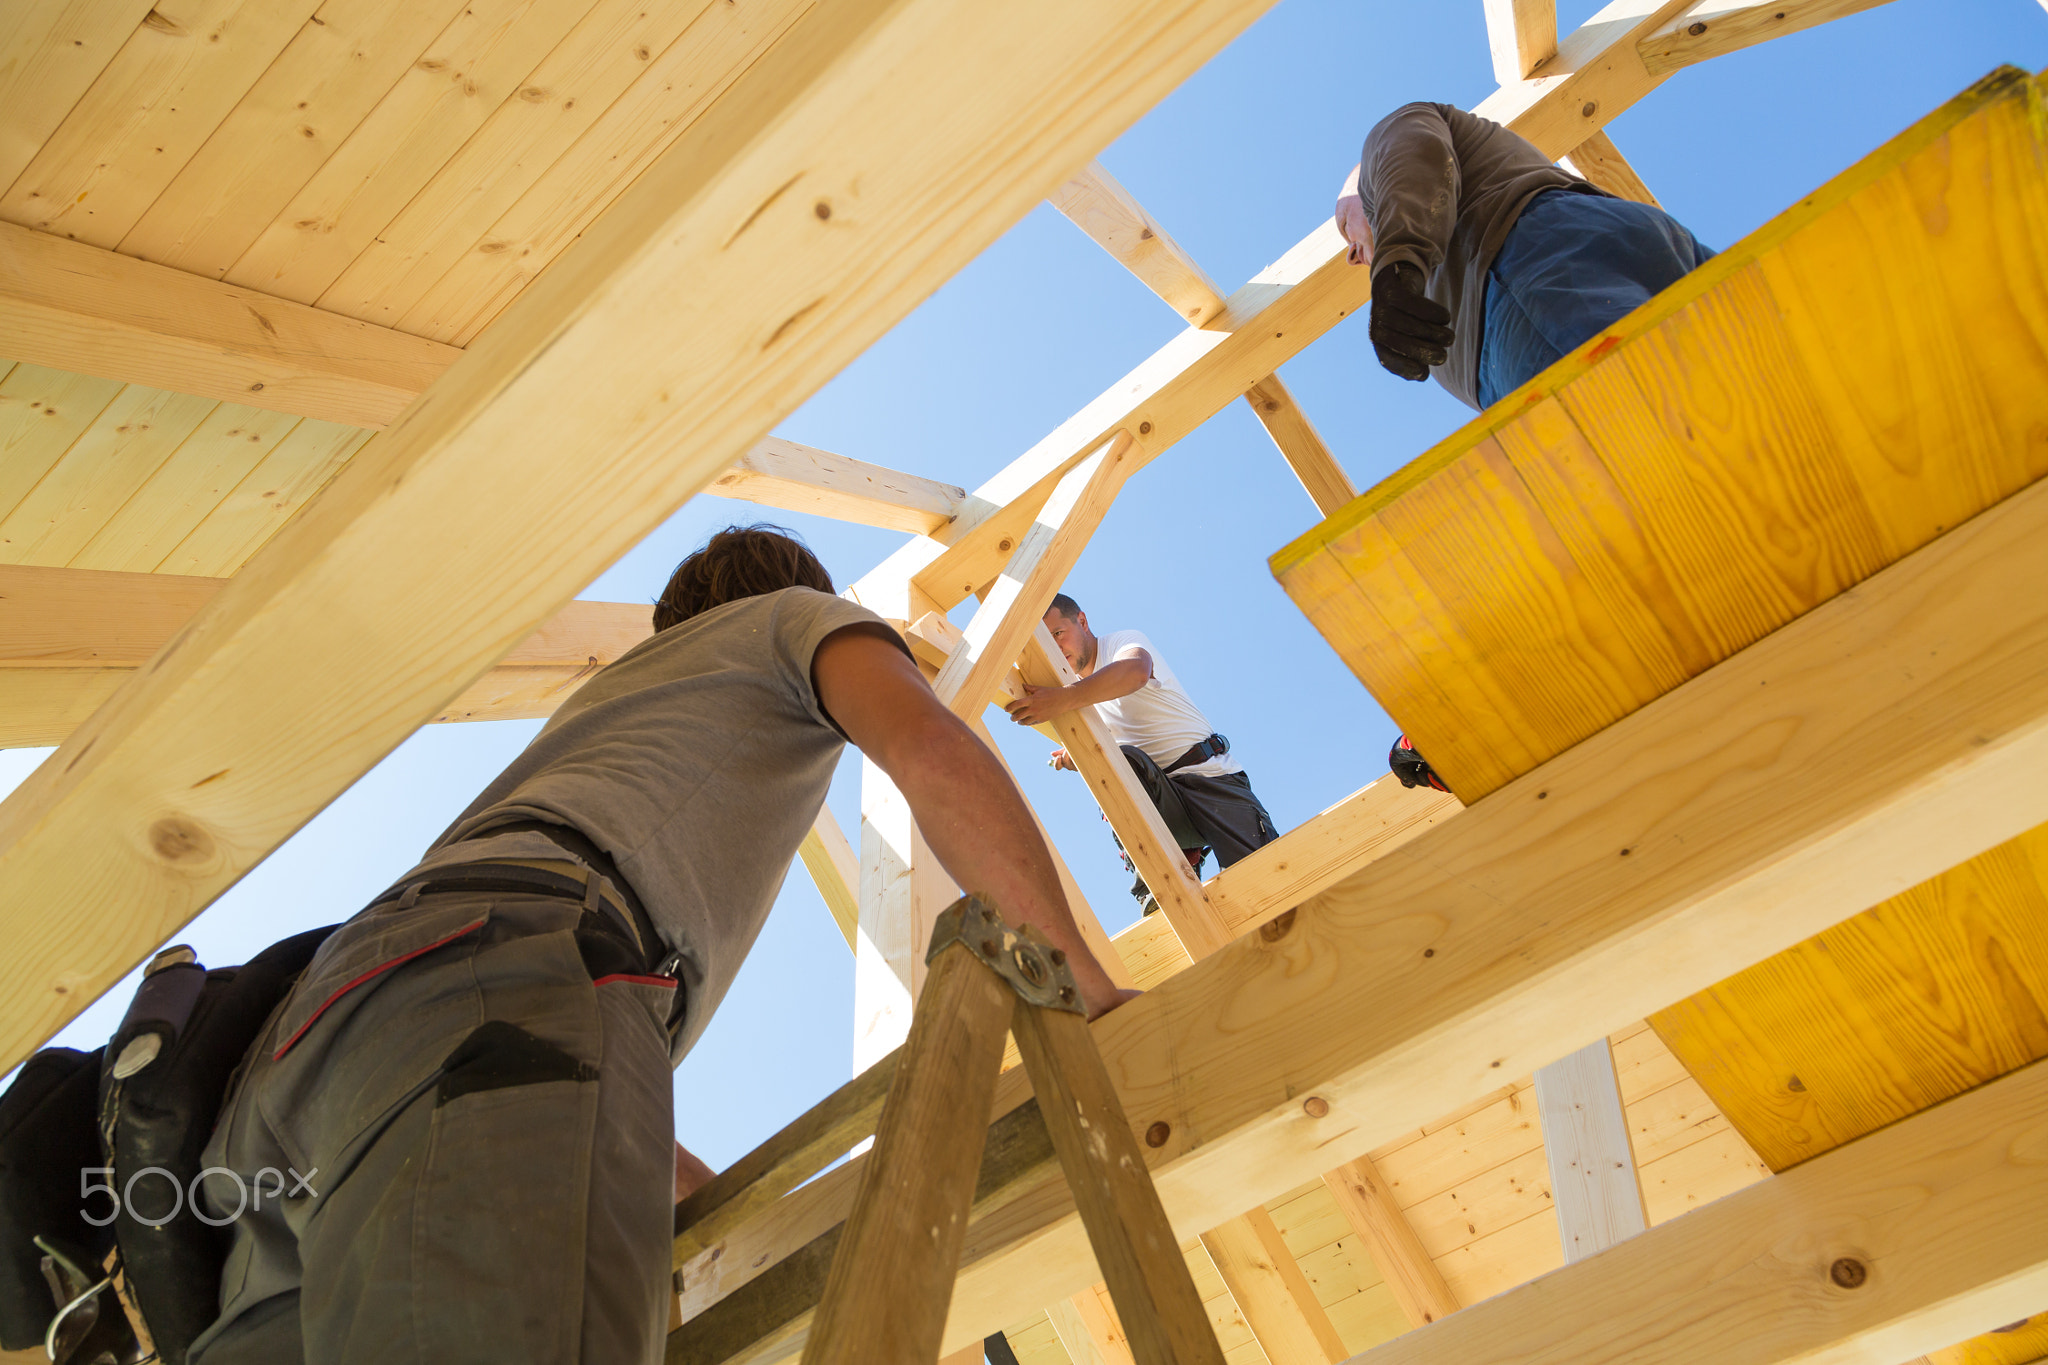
[{"x": 1183, "y": 764}]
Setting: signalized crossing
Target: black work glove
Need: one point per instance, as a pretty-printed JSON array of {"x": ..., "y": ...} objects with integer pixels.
[
  {"x": 1410, "y": 332},
  {"x": 1411, "y": 767}
]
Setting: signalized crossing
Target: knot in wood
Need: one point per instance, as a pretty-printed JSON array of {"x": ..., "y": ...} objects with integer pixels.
[
  {"x": 1316, "y": 1107},
  {"x": 1697, "y": 29},
  {"x": 1848, "y": 1272},
  {"x": 1158, "y": 1133},
  {"x": 177, "y": 840},
  {"x": 1275, "y": 929}
]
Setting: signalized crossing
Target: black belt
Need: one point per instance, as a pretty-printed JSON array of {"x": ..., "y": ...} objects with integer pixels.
[
  {"x": 608, "y": 891},
  {"x": 1200, "y": 753}
]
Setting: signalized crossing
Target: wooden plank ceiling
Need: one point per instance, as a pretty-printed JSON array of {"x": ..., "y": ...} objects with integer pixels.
[
  {"x": 1785, "y": 422},
  {"x": 413, "y": 165}
]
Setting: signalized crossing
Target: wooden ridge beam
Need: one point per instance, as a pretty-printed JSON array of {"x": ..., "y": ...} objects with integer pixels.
[
  {"x": 799, "y": 478},
  {"x": 1712, "y": 28},
  {"x": 715, "y": 294},
  {"x": 1894, "y": 1245},
  {"x": 1596, "y": 75},
  {"x": 91, "y": 311},
  {"x": 1729, "y": 819},
  {"x": 70, "y": 637}
]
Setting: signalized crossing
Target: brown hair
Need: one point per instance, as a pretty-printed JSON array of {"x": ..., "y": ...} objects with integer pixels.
[{"x": 740, "y": 561}]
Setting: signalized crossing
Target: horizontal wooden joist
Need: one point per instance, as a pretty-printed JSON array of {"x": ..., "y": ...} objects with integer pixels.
[
  {"x": 1595, "y": 75},
  {"x": 799, "y": 478},
  {"x": 1895, "y": 1245},
  {"x": 1710, "y": 28},
  {"x": 811, "y": 208},
  {"x": 70, "y": 637},
  {"x": 1731, "y": 818},
  {"x": 75, "y": 307}
]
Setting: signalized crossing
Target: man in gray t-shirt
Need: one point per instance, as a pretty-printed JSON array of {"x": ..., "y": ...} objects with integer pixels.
[{"x": 477, "y": 1066}]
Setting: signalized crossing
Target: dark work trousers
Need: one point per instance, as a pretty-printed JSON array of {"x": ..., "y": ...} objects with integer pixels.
[
  {"x": 1572, "y": 265},
  {"x": 487, "y": 1133},
  {"x": 1218, "y": 813}
]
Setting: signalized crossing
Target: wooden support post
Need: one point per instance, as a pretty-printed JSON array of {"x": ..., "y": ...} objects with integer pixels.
[
  {"x": 1599, "y": 162},
  {"x": 1132, "y": 815},
  {"x": 1325, "y": 481},
  {"x": 1277, "y": 1301},
  {"x": 1134, "y": 1245},
  {"x": 1593, "y": 1181},
  {"x": 1522, "y": 35},
  {"x": 1016, "y": 604},
  {"x": 902, "y": 891},
  {"x": 1366, "y": 1203},
  {"x": 884, "y": 1299},
  {"x": 833, "y": 866},
  {"x": 1089, "y": 1331}
]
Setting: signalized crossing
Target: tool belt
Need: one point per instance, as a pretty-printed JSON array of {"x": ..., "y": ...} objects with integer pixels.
[{"x": 1200, "y": 753}]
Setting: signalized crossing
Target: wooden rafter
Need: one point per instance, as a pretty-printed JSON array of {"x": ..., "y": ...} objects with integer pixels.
[
  {"x": 717, "y": 293},
  {"x": 1522, "y": 35},
  {"x": 1277, "y": 1301},
  {"x": 1538, "y": 933},
  {"x": 1601, "y": 163},
  {"x": 836, "y": 870},
  {"x": 75, "y": 307},
  {"x": 1115, "y": 221},
  {"x": 1593, "y": 1183},
  {"x": 1710, "y": 28},
  {"x": 1897, "y": 1244},
  {"x": 1362, "y": 1196},
  {"x": 799, "y": 478},
  {"x": 70, "y": 637}
]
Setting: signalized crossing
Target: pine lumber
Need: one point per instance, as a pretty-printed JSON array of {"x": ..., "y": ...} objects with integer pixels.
[
  {"x": 1095, "y": 202},
  {"x": 1593, "y": 1181},
  {"x": 1522, "y": 36},
  {"x": 57, "y": 49},
  {"x": 705, "y": 304},
  {"x": 69, "y": 306},
  {"x": 831, "y": 861},
  {"x": 1368, "y": 1205},
  {"x": 70, "y": 637},
  {"x": 1598, "y": 161},
  {"x": 1540, "y": 932},
  {"x": 800, "y": 478},
  {"x": 1712, "y": 28},
  {"x": 1300, "y": 444},
  {"x": 1878, "y": 1251},
  {"x": 1276, "y": 1299}
]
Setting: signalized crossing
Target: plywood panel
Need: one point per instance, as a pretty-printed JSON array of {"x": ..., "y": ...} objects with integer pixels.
[
  {"x": 96, "y": 476},
  {"x": 182, "y": 68},
  {"x": 1911, "y": 1002},
  {"x": 1791, "y": 417}
]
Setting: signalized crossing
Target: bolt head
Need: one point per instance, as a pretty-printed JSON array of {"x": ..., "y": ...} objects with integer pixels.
[
  {"x": 1158, "y": 1133},
  {"x": 1316, "y": 1107}
]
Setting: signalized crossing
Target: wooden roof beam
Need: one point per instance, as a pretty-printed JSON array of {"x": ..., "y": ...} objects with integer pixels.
[
  {"x": 811, "y": 208},
  {"x": 1599, "y": 162},
  {"x": 81, "y": 308},
  {"x": 70, "y": 637},
  {"x": 1725, "y": 821},
  {"x": 1893, "y": 1245},
  {"x": 1711, "y": 28},
  {"x": 800, "y": 478},
  {"x": 1522, "y": 35}
]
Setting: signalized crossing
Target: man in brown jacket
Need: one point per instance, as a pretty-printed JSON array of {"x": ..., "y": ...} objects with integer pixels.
[{"x": 1489, "y": 261}]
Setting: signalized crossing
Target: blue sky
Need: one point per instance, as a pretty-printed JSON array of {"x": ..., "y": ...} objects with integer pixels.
[{"x": 1238, "y": 164}]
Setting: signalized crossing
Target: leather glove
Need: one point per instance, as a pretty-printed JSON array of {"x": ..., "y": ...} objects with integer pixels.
[{"x": 1410, "y": 332}]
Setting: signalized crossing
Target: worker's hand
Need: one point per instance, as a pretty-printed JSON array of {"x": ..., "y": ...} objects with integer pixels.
[
  {"x": 1039, "y": 705},
  {"x": 1062, "y": 761},
  {"x": 1351, "y": 221},
  {"x": 691, "y": 1174},
  {"x": 1410, "y": 331}
]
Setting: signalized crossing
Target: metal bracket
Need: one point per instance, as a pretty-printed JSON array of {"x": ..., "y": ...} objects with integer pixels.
[{"x": 1036, "y": 971}]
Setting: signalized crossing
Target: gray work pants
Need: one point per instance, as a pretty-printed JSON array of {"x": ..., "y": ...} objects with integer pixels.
[{"x": 488, "y": 1135}]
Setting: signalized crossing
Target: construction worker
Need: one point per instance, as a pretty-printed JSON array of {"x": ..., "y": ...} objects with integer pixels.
[
  {"x": 1489, "y": 261},
  {"x": 1182, "y": 763},
  {"x": 474, "y": 1072}
]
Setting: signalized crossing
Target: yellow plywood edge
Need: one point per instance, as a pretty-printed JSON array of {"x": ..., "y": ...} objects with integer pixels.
[
  {"x": 1771, "y": 430},
  {"x": 1911, "y": 1002}
]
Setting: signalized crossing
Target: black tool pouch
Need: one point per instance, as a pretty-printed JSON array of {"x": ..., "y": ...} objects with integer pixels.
[
  {"x": 155, "y": 1123},
  {"x": 131, "y": 1120}
]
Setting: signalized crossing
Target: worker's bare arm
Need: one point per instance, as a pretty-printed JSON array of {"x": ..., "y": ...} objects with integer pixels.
[
  {"x": 970, "y": 812},
  {"x": 1040, "y": 704},
  {"x": 691, "y": 1173}
]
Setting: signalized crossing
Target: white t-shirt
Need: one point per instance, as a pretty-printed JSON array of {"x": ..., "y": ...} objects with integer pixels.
[{"x": 1158, "y": 718}]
